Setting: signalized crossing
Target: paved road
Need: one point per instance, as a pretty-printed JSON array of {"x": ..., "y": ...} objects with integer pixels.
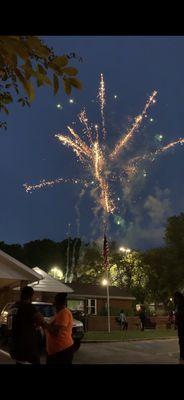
[
  {"x": 135, "y": 352},
  {"x": 139, "y": 352}
]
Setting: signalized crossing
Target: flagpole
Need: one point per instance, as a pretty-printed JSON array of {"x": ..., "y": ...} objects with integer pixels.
[
  {"x": 106, "y": 265},
  {"x": 108, "y": 307}
]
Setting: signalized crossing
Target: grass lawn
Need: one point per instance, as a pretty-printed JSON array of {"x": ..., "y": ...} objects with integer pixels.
[{"x": 131, "y": 334}]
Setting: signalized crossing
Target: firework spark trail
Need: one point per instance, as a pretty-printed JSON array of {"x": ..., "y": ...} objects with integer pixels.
[
  {"x": 101, "y": 96},
  {"x": 84, "y": 120},
  {"x": 125, "y": 139},
  {"x": 170, "y": 145},
  {"x": 99, "y": 166},
  {"x": 86, "y": 150},
  {"x": 73, "y": 145},
  {"x": 155, "y": 153},
  {"x": 94, "y": 155},
  {"x": 44, "y": 183}
]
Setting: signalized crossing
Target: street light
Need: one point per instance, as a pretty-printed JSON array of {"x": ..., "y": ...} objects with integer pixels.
[
  {"x": 125, "y": 249},
  {"x": 56, "y": 272},
  {"x": 105, "y": 282}
]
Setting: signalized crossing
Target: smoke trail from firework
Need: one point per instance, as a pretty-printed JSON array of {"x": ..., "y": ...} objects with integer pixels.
[
  {"x": 68, "y": 255},
  {"x": 125, "y": 139}
]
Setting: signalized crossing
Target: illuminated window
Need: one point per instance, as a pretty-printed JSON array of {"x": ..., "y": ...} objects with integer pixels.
[{"x": 91, "y": 306}]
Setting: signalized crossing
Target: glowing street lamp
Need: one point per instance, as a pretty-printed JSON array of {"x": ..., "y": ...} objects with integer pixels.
[
  {"x": 56, "y": 272},
  {"x": 105, "y": 282},
  {"x": 125, "y": 249}
]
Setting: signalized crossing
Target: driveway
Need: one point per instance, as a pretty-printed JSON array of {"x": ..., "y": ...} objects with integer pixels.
[{"x": 135, "y": 352}]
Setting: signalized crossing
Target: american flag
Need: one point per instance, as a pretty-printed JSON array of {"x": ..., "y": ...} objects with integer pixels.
[{"x": 106, "y": 252}]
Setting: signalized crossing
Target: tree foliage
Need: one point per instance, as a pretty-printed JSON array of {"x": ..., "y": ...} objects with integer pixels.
[
  {"x": 174, "y": 232},
  {"x": 25, "y": 60}
]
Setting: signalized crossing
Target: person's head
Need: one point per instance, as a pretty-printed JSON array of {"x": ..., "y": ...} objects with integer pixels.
[
  {"x": 27, "y": 294},
  {"x": 60, "y": 300},
  {"x": 178, "y": 298},
  {"x": 122, "y": 311}
]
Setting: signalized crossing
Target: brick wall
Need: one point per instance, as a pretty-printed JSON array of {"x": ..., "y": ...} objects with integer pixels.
[
  {"x": 99, "y": 323},
  {"x": 115, "y": 304}
]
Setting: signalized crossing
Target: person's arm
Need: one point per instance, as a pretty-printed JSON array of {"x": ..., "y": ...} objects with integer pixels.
[{"x": 39, "y": 319}]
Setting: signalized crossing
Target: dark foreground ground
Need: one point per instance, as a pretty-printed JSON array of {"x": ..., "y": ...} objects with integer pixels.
[{"x": 136, "y": 352}]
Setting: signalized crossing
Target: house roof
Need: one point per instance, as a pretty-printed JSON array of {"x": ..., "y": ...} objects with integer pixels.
[
  {"x": 48, "y": 283},
  {"x": 97, "y": 291},
  {"x": 12, "y": 271}
]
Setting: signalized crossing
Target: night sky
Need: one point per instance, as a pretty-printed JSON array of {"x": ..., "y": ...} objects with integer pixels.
[{"x": 133, "y": 67}]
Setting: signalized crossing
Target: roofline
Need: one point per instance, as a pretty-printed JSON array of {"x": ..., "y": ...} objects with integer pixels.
[
  {"x": 19, "y": 264},
  {"x": 103, "y": 297}
]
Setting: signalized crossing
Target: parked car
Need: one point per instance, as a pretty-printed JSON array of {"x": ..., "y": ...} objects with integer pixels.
[{"x": 47, "y": 310}]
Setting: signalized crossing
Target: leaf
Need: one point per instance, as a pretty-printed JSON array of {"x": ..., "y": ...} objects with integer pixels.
[
  {"x": 70, "y": 71},
  {"x": 42, "y": 79},
  {"x": 15, "y": 47},
  {"x": 7, "y": 98},
  {"x": 4, "y": 109},
  {"x": 55, "y": 83},
  {"x": 8, "y": 85},
  {"x": 41, "y": 70},
  {"x": 28, "y": 70},
  {"x": 27, "y": 85},
  {"x": 55, "y": 67},
  {"x": 34, "y": 43},
  {"x": 75, "y": 82},
  {"x": 67, "y": 86},
  {"x": 61, "y": 61},
  {"x": 3, "y": 125}
]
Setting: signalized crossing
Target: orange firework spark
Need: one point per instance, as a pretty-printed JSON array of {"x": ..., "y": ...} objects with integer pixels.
[
  {"x": 84, "y": 120},
  {"x": 101, "y": 96},
  {"x": 170, "y": 145},
  {"x": 94, "y": 156},
  {"x": 125, "y": 139},
  {"x": 44, "y": 183}
]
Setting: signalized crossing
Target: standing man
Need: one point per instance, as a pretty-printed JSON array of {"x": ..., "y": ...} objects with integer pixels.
[
  {"x": 142, "y": 317},
  {"x": 179, "y": 322},
  {"x": 60, "y": 347},
  {"x": 23, "y": 321},
  {"x": 123, "y": 320}
]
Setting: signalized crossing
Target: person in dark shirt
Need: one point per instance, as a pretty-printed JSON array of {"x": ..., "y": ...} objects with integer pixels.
[
  {"x": 22, "y": 322},
  {"x": 179, "y": 322},
  {"x": 142, "y": 317}
]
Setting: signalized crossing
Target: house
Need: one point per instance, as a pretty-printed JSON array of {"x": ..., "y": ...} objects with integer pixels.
[
  {"x": 92, "y": 299},
  {"x": 46, "y": 288},
  {"x": 13, "y": 273}
]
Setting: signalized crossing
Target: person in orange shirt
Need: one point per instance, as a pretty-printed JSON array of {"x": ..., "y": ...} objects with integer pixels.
[{"x": 60, "y": 347}]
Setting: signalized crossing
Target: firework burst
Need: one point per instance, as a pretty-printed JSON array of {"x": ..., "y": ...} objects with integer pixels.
[{"x": 99, "y": 163}]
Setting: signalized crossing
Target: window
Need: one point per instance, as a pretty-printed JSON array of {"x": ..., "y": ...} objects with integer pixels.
[
  {"x": 75, "y": 305},
  {"x": 91, "y": 306}
]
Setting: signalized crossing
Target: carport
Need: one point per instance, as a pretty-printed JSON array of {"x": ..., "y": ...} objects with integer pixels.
[{"x": 14, "y": 273}]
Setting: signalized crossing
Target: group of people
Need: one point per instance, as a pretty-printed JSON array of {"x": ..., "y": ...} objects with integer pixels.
[
  {"x": 24, "y": 320},
  {"x": 177, "y": 321}
]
